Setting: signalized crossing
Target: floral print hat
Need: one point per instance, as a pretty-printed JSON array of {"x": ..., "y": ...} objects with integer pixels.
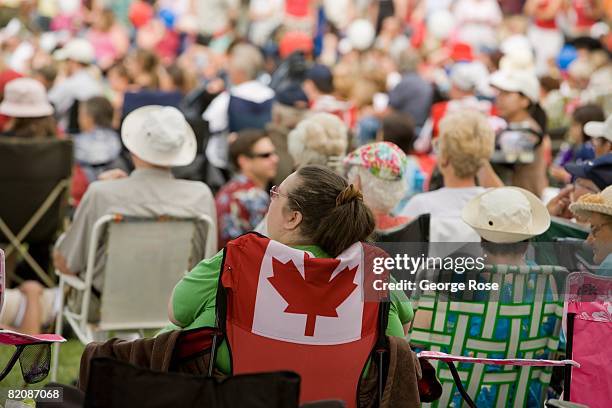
[{"x": 384, "y": 160}]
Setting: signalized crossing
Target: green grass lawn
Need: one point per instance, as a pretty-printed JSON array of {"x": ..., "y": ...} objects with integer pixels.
[{"x": 69, "y": 361}]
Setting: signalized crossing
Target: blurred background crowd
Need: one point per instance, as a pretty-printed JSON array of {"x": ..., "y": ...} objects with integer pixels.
[{"x": 468, "y": 94}]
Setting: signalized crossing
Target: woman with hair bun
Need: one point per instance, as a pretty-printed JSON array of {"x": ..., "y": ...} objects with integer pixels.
[{"x": 314, "y": 210}]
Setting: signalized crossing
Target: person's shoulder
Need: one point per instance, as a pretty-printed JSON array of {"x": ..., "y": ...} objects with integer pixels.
[{"x": 197, "y": 187}]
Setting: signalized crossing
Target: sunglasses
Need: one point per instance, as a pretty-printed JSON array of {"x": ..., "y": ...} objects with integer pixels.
[{"x": 265, "y": 155}]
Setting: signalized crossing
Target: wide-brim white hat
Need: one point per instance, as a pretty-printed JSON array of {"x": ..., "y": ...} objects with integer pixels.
[
  {"x": 514, "y": 215},
  {"x": 25, "y": 98},
  {"x": 594, "y": 203},
  {"x": 159, "y": 135}
]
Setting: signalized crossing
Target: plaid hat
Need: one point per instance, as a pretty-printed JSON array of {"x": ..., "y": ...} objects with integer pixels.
[
  {"x": 599, "y": 171},
  {"x": 383, "y": 159},
  {"x": 322, "y": 77}
]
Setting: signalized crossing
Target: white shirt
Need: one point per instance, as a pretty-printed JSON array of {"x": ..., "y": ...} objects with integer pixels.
[
  {"x": 448, "y": 202},
  {"x": 78, "y": 87},
  {"x": 218, "y": 120}
]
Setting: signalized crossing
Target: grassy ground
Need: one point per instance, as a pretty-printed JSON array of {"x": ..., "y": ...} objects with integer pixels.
[{"x": 70, "y": 357}]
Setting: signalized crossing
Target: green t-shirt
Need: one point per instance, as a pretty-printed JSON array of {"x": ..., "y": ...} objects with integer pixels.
[{"x": 194, "y": 301}]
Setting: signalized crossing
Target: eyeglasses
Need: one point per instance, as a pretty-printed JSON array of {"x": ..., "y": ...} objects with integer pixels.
[
  {"x": 274, "y": 192},
  {"x": 265, "y": 155},
  {"x": 595, "y": 230}
]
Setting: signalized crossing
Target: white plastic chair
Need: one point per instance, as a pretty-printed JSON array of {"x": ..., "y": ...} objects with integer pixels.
[{"x": 144, "y": 258}]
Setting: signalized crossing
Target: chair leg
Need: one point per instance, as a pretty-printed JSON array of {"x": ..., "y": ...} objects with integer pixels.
[
  {"x": 59, "y": 321},
  {"x": 459, "y": 385}
]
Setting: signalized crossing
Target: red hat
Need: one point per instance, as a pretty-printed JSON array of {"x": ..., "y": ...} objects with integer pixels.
[
  {"x": 140, "y": 13},
  {"x": 461, "y": 52},
  {"x": 295, "y": 41}
]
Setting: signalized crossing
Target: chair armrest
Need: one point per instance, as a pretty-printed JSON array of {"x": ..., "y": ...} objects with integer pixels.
[
  {"x": 72, "y": 280},
  {"x": 436, "y": 355}
]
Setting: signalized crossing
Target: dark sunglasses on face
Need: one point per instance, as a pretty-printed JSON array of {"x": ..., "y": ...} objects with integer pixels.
[{"x": 265, "y": 155}]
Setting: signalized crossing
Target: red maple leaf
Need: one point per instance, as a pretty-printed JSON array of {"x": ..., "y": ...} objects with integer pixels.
[{"x": 315, "y": 294}]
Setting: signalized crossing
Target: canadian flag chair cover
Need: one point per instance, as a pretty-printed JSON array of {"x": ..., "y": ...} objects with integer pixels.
[
  {"x": 588, "y": 324},
  {"x": 282, "y": 309}
]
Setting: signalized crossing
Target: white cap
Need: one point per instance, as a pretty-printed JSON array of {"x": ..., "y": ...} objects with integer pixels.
[
  {"x": 599, "y": 129},
  {"x": 525, "y": 82},
  {"x": 78, "y": 49},
  {"x": 361, "y": 34},
  {"x": 159, "y": 135},
  {"x": 506, "y": 215}
]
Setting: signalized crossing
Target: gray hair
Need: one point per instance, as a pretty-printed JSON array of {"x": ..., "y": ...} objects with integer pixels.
[
  {"x": 317, "y": 139},
  {"x": 248, "y": 59},
  {"x": 378, "y": 194}
]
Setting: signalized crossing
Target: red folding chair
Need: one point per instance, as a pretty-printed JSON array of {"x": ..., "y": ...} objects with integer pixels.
[{"x": 281, "y": 309}]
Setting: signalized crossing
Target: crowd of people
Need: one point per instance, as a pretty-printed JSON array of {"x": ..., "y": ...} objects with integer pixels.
[{"x": 317, "y": 123}]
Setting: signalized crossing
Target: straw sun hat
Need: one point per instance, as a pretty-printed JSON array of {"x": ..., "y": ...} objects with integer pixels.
[
  {"x": 506, "y": 215},
  {"x": 594, "y": 203}
]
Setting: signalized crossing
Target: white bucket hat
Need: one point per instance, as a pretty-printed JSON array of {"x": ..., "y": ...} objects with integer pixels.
[
  {"x": 159, "y": 135},
  {"x": 25, "y": 98},
  {"x": 510, "y": 80},
  {"x": 599, "y": 129},
  {"x": 506, "y": 215},
  {"x": 78, "y": 49},
  {"x": 590, "y": 203}
]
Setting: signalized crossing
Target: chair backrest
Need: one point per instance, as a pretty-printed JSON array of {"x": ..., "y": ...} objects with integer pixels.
[
  {"x": 114, "y": 384},
  {"x": 135, "y": 100},
  {"x": 588, "y": 324},
  {"x": 521, "y": 320},
  {"x": 282, "y": 309},
  {"x": 145, "y": 258},
  {"x": 30, "y": 169},
  {"x": 416, "y": 230},
  {"x": 2, "y": 279}
]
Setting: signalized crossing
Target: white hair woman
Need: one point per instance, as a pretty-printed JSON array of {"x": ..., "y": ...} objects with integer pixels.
[
  {"x": 319, "y": 139},
  {"x": 464, "y": 147},
  {"x": 378, "y": 170}
]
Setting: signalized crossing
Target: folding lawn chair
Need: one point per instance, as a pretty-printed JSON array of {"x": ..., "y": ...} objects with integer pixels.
[
  {"x": 143, "y": 260},
  {"x": 588, "y": 325},
  {"x": 32, "y": 351},
  {"x": 34, "y": 178},
  {"x": 516, "y": 328},
  {"x": 271, "y": 312}
]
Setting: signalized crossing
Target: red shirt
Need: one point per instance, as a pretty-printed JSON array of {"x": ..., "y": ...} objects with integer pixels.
[
  {"x": 550, "y": 24},
  {"x": 297, "y": 8}
]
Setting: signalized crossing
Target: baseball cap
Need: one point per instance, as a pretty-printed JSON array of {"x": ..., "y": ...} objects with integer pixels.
[
  {"x": 599, "y": 129},
  {"x": 599, "y": 171},
  {"x": 322, "y": 77}
]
